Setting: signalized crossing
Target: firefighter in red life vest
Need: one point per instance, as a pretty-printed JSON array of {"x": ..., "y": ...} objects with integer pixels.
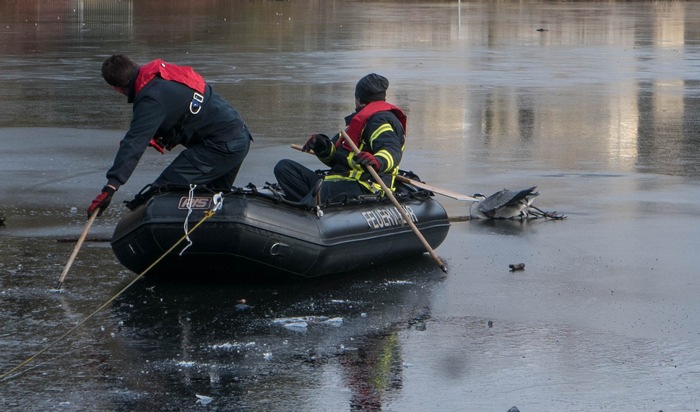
[
  {"x": 173, "y": 105},
  {"x": 377, "y": 128}
]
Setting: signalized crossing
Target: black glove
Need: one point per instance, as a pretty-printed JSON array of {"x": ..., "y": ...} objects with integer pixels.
[
  {"x": 309, "y": 145},
  {"x": 312, "y": 142},
  {"x": 101, "y": 201},
  {"x": 367, "y": 159},
  {"x": 322, "y": 146}
]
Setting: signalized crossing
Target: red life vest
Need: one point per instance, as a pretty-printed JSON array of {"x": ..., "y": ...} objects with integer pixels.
[
  {"x": 358, "y": 122},
  {"x": 181, "y": 74}
]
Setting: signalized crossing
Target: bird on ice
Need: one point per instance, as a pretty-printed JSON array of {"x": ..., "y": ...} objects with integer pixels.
[{"x": 509, "y": 204}]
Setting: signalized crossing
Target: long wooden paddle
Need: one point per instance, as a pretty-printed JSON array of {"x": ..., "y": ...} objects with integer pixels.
[
  {"x": 401, "y": 210},
  {"x": 416, "y": 183},
  {"x": 81, "y": 239},
  {"x": 444, "y": 192}
]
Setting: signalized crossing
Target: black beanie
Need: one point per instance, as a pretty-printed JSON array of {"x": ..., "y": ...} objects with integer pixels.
[{"x": 371, "y": 88}]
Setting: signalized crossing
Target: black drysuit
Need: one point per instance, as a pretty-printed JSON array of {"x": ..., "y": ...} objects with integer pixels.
[{"x": 216, "y": 137}]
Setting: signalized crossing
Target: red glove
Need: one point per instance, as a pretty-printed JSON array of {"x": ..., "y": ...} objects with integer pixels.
[
  {"x": 367, "y": 159},
  {"x": 154, "y": 144},
  {"x": 101, "y": 201}
]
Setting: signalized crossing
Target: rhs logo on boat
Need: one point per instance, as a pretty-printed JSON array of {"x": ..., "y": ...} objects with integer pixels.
[
  {"x": 387, "y": 217},
  {"x": 196, "y": 203}
]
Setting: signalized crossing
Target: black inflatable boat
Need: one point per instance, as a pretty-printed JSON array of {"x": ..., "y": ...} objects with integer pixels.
[{"x": 255, "y": 233}]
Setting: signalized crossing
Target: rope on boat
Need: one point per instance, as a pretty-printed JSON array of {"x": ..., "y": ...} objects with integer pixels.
[
  {"x": 217, "y": 200},
  {"x": 186, "y": 223}
]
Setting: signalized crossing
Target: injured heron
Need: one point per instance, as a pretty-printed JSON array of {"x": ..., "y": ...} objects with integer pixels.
[{"x": 509, "y": 204}]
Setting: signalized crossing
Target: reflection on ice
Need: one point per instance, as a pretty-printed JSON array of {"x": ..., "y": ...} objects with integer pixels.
[{"x": 602, "y": 109}]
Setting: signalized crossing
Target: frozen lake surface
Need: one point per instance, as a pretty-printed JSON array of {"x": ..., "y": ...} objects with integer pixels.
[{"x": 599, "y": 109}]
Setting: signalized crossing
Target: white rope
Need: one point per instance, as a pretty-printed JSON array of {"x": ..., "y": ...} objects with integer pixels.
[
  {"x": 218, "y": 200},
  {"x": 190, "y": 200}
]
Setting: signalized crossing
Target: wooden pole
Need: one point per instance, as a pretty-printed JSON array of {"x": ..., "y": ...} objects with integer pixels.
[
  {"x": 81, "y": 239},
  {"x": 444, "y": 192},
  {"x": 416, "y": 183},
  {"x": 396, "y": 203}
]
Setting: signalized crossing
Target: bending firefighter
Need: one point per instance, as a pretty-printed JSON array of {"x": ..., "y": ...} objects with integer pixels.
[
  {"x": 377, "y": 128},
  {"x": 173, "y": 105}
]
